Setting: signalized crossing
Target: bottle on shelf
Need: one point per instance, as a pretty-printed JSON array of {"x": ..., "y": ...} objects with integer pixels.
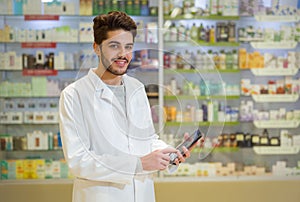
[
  {"x": 255, "y": 140},
  {"x": 274, "y": 141},
  {"x": 212, "y": 38},
  {"x": 231, "y": 32},
  {"x": 179, "y": 61},
  {"x": 264, "y": 139},
  {"x": 202, "y": 33},
  {"x": 173, "y": 33},
  {"x": 181, "y": 32},
  {"x": 187, "y": 60},
  {"x": 194, "y": 32}
]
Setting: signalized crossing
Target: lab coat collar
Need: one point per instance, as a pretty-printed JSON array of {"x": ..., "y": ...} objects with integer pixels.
[
  {"x": 103, "y": 91},
  {"x": 97, "y": 82}
]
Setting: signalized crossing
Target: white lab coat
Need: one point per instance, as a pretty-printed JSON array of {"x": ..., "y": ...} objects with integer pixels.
[{"x": 102, "y": 144}]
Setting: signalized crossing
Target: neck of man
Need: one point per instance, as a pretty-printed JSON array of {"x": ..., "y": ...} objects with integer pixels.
[{"x": 107, "y": 77}]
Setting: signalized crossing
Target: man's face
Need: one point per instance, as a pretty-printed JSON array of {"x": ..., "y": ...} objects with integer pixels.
[{"x": 116, "y": 52}]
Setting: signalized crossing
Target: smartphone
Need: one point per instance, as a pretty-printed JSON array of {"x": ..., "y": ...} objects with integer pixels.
[{"x": 188, "y": 143}]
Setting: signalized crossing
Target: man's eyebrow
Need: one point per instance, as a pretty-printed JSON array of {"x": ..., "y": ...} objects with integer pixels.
[
  {"x": 119, "y": 42},
  {"x": 114, "y": 42}
]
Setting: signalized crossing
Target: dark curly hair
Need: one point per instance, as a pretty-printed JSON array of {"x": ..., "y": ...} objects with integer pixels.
[{"x": 112, "y": 21}]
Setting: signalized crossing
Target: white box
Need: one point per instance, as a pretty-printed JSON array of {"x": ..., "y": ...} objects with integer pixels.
[
  {"x": 151, "y": 32},
  {"x": 28, "y": 117},
  {"x": 15, "y": 117},
  {"x": 39, "y": 117},
  {"x": 4, "y": 117},
  {"x": 86, "y": 32},
  {"x": 44, "y": 141},
  {"x": 51, "y": 117},
  {"x": 33, "y": 141},
  {"x": 32, "y": 7}
]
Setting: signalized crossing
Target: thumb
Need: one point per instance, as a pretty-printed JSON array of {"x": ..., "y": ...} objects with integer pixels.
[{"x": 168, "y": 150}]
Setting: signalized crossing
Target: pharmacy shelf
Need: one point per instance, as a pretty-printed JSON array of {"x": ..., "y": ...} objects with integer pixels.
[
  {"x": 173, "y": 123},
  {"x": 277, "y": 124},
  {"x": 271, "y": 150},
  {"x": 274, "y": 45},
  {"x": 217, "y": 149},
  {"x": 267, "y": 177},
  {"x": 274, "y": 71},
  {"x": 275, "y": 98},
  {"x": 209, "y": 97},
  {"x": 15, "y": 124},
  {"x": 277, "y": 18},
  {"x": 37, "y": 181},
  {"x": 193, "y": 17},
  {"x": 54, "y": 44},
  {"x": 193, "y": 71},
  {"x": 200, "y": 43},
  {"x": 164, "y": 179},
  {"x": 27, "y": 97}
]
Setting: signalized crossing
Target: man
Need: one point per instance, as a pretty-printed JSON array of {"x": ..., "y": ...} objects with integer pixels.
[{"x": 107, "y": 132}]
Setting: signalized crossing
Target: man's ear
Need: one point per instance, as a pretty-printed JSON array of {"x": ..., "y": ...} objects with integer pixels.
[{"x": 96, "y": 48}]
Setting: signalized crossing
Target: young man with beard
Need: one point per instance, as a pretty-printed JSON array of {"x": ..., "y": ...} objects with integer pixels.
[{"x": 107, "y": 132}]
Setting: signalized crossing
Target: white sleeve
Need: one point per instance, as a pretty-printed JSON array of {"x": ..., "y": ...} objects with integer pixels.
[{"x": 82, "y": 161}]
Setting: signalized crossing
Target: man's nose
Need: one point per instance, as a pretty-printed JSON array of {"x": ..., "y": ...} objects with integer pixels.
[{"x": 122, "y": 52}]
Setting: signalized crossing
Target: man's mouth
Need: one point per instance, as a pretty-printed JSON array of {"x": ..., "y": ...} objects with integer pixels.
[{"x": 121, "y": 62}]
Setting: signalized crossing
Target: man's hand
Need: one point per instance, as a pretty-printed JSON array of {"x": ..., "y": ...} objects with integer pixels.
[{"x": 159, "y": 159}]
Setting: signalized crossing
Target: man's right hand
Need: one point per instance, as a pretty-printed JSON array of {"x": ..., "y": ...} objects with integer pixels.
[{"x": 158, "y": 159}]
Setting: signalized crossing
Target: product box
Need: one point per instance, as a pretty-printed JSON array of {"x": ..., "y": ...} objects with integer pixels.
[
  {"x": 19, "y": 169},
  {"x": 28, "y": 117},
  {"x": 59, "y": 8},
  {"x": 14, "y": 117},
  {"x": 9, "y": 105},
  {"x": 8, "y": 169},
  {"x": 86, "y": 7},
  {"x": 151, "y": 32},
  {"x": 6, "y": 7},
  {"x": 56, "y": 169},
  {"x": 51, "y": 117},
  {"x": 39, "y": 86},
  {"x": 141, "y": 32},
  {"x": 39, "y": 117},
  {"x": 40, "y": 168},
  {"x": 86, "y": 32},
  {"x": 64, "y": 171},
  {"x": 37, "y": 140},
  {"x": 18, "y": 7},
  {"x": 29, "y": 169},
  {"x": 296, "y": 140},
  {"x": 59, "y": 61},
  {"x": 32, "y": 7},
  {"x": 246, "y": 87},
  {"x": 48, "y": 169}
]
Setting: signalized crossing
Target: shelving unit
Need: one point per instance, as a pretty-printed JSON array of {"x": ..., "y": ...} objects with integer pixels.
[
  {"x": 64, "y": 74},
  {"x": 264, "y": 101},
  {"x": 159, "y": 75}
]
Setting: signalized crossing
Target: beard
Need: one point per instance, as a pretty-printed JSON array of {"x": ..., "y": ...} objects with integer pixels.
[{"x": 108, "y": 65}]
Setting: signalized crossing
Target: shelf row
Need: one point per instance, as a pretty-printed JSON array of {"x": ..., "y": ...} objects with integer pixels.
[
  {"x": 260, "y": 150},
  {"x": 257, "y": 45},
  {"x": 161, "y": 179},
  {"x": 257, "y": 123},
  {"x": 255, "y": 71},
  {"x": 280, "y": 45},
  {"x": 264, "y": 98},
  {"x": 259, "y": 18}
]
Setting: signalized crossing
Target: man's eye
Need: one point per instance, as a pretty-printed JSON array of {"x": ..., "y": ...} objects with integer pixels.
[
  {"x": 128, "y": 47},
  {"x": 115, "y": 46}
]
